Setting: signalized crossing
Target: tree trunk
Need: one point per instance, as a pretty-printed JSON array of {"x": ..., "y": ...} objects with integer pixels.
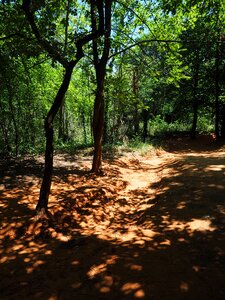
[
  {"x": 135, "y": 92},
  {"x": 98, "y": 134},
  {"x": 217, "y": 92},
  {"x": 145, "y": 124},
  {"x": 223, "y": 122},
  {"x": 195, "y": 119},
  {"x": 106, "y": 121},
  {"x": 84, "y": 125},
  {"x": 7, "y": 148},
  {"x": 42, "y": 206},
  {"x": 61, "y": 134},
  {"x": 13, "y": 115},
  {"x": 100, "y": 70},
  {"x": 98, "y": 123},
  {"x": 195, "y": 95}
]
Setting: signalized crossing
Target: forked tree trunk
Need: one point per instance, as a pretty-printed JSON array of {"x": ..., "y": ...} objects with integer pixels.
[{"x": 42, "y": 206}]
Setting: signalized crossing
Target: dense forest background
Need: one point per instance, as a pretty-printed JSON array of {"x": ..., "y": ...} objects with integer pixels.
[
  {"x": 164, "y": 73},
  {"x": 140, "y": 84},
  {"x": 94, "y": 73}
]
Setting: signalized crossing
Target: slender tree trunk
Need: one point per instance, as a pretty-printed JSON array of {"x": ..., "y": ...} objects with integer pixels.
[
  {"x": 145, "y": 124},
  {"x": 62, "y": 118},
  {"x": 106, "y": 121},
  {"x": 42, "y": 206},
  {"x": 195, "y": 119},
  {"x": 100, "y": 70},
  {"x": 7, "y": 147},
  {"x": 98, "y": 133},
  {"x": 61, "y": 134},
  {"x": 135, "y": 92},
  {"x": 84, "y": 125},
  {"x": 5, "y": 130},
  {"x": 217, "y": 93},
  {"x": 223, "y": 122},
  {"x": 12, "y": 110},
  {"x": 29, "y": 128},
  {"x": 98, "y": 122},
  {"x": 195, "y": 97},
  {"x": 136, "y": 119}
]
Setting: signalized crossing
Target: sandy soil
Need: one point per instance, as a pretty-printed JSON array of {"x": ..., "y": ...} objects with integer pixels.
[{"x": 150, "y": 227}]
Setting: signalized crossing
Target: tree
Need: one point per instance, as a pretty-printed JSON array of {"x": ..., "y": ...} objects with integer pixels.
[
  {"x": 56, "y": 54},
  {"x": 100, "y": 71}
]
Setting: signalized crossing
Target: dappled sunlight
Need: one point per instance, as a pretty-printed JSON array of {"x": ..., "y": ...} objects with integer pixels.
[
  {"x": 133, "y": 234},
  {"x": 184, "y": 287},
  {"x": 28, "y": 251},
  {"x": 106, "y": 285},
  {"x": 215, "y": 168},
  {"x": 192, "y": 226},
  {"x": 221, "y": 209},
  {"x": 133, "y": 288},
  {"x": 201, "y": 225},
  {"x": 144, "y": 224},
  {"x": 181, "y": 205},
  {"x": 98, "y": 269}
]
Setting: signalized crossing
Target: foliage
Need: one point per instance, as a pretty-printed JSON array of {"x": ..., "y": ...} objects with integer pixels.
[{"x": 157, "y": 50}]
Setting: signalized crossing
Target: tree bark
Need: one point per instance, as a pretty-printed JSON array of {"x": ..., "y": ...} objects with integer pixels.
[
  {"x": 223, "y": 122},
  {"x": 195, "y": 120},
  {"x": 42, "y": 206},
  {"x": 100, "y": 70},
  {"x": 13, "y": 115},
  {"x": 106, "y": 122},
  {"x": 217, "y": 93},
  {"x": 145, "y": 124},
  {"x": 62, "y": 134},
  {"x": 195, "y": 97},
  {"x": 98, "y": 123},
  {"x": 7, "y": 148},
  {"x": 84, "y": 125},
  {"x": 135, "y": 92}
]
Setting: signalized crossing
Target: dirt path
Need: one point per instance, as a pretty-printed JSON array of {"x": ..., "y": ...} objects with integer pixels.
[{"x": 151, "y": 227}]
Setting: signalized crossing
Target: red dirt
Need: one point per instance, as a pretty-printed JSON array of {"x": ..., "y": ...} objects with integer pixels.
[{"x": 151, "y": 227}]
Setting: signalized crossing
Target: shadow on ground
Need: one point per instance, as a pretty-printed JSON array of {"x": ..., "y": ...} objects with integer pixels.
[
  {"x": 173, "y": 247},
  {"x": 178, "y": 143}
]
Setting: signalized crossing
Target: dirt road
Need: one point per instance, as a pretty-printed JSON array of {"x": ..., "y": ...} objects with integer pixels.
[{"x": 151, "y": 227}]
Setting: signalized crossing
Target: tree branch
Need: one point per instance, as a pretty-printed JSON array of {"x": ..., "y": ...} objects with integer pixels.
[
  {"x": 161, "y": 41},
  {"x": 108, "y": 12},
  {"x": 11, "y": 36},
  {"x": 94, "y": 34},
  {"x": 44, "y": 43}
]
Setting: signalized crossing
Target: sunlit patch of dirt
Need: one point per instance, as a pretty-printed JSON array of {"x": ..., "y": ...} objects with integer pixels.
[{"x": 149, "y": 227}]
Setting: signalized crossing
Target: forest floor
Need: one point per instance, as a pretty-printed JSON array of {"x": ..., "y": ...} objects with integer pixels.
[{"x": 150, "y": 227}]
